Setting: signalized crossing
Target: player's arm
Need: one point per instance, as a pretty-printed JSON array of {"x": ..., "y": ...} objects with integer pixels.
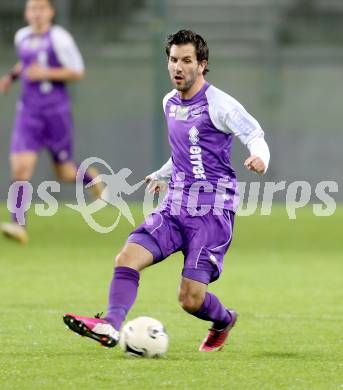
[
  {"x": 72, "y": 65},
  {"x": 230, "y": 116},
  {"x": 250, "y": 133},
  {"x": 39, "y": 73},
  {"x": 158, "y": 180},
  {"x": 259, "y": 155},
  {"x": 7, "y": 80}
]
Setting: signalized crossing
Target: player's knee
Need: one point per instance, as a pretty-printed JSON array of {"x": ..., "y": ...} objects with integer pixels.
[
  {"x": 122, "y": 259},
  {"x": 190, "y": 302},
  {"x": 66, "y": 177},
  {"x": 22, "y": 173}
]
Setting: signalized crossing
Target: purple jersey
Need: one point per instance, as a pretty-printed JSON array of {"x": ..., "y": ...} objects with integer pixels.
[
  {"x": 201, "y": 132},
  {"x": 53, "y": 49},
  {"x": 43, "y": 118}
]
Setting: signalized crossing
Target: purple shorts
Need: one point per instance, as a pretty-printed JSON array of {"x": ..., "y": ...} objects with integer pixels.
[
  {"x": 203, "y": 240},
  {"x": 50, "y": 128}
]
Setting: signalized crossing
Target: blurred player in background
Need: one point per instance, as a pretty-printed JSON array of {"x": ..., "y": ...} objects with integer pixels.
[
  {"x": 48, "y": 60},
  {"x": 202, "y": 121}
]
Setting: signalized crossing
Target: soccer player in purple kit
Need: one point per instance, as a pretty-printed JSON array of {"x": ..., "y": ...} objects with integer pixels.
[
  {"x": 48, "y": 59},
  {"x": 202, "y": 121}
]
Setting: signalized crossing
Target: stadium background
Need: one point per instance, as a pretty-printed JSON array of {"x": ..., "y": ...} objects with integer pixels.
[{"x": 281, "y": 58}]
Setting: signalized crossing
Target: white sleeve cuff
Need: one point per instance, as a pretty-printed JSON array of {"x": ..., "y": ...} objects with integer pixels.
[
  {"x": 165, "y": 172},
  {"x": 258, "y": 147}
]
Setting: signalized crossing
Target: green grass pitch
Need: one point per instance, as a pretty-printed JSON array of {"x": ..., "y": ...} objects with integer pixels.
[{"x": 284, "y": 277}]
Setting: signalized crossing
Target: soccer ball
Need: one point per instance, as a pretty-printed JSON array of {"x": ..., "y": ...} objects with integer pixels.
[{"x": 144, "y": 337}]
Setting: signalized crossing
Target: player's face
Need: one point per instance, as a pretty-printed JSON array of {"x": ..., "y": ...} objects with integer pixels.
[
  {"x": 184, "y": 68},
  {"x": 38, "y": 13}
]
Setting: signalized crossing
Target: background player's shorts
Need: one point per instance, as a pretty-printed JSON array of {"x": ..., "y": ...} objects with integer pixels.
[
  {"x": 204, "y": 240},
  {"x": 50, "y": 128}
]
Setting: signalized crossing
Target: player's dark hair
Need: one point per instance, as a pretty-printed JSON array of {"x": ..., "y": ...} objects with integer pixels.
[{"x": 182, "y": 37}]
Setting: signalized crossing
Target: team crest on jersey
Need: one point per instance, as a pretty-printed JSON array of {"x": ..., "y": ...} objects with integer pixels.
[
  {"x": 194, "y": 135},
  {"x": 181, "y": 113},
  {"x": 197, "y": 111}
]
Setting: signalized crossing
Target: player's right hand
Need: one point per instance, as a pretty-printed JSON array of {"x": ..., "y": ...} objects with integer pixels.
[
  {"x": 5, "y": 83},
  {"x": 255, "y": 164},
  {"x": 155, "y": 185}
]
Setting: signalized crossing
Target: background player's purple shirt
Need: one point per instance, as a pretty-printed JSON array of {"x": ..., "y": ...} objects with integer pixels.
[
  {"x": 55, "y": 48},
  {"x": 201, "y": 132}
]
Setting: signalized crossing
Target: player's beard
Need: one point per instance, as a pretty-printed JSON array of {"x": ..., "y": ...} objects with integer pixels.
[{"x": 188, "y": 82}]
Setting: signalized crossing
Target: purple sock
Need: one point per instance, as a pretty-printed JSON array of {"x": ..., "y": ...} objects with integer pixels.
[
  {"x": 19, "y": 198},
  {"x": 87, "y": 178},
  {"x": 123, "y": 292},
  {"x": 213, "y": 310}
]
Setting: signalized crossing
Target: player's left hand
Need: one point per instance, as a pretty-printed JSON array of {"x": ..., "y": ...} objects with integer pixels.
[
  {"x": 155, "y": 186},
  {"x": 36, "y": 72},
  {"x": 255, "y": 164}
]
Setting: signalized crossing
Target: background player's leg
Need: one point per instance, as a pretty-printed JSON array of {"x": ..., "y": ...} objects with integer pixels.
[
  {"x": 123, "y": 289},
  {"x": 22, "y": 168},
  {"x": 66, "y": 172},
  {"x": 23, "y": 165},
  {"x": 196, "y": 300}
]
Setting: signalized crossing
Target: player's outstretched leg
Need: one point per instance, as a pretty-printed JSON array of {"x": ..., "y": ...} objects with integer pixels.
[
  {"x": 123, "y": 292},
  {"x": 204, "y": 305},
  {"x": 122, "y": 295},
  {"x": 95, "y": 328}
]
